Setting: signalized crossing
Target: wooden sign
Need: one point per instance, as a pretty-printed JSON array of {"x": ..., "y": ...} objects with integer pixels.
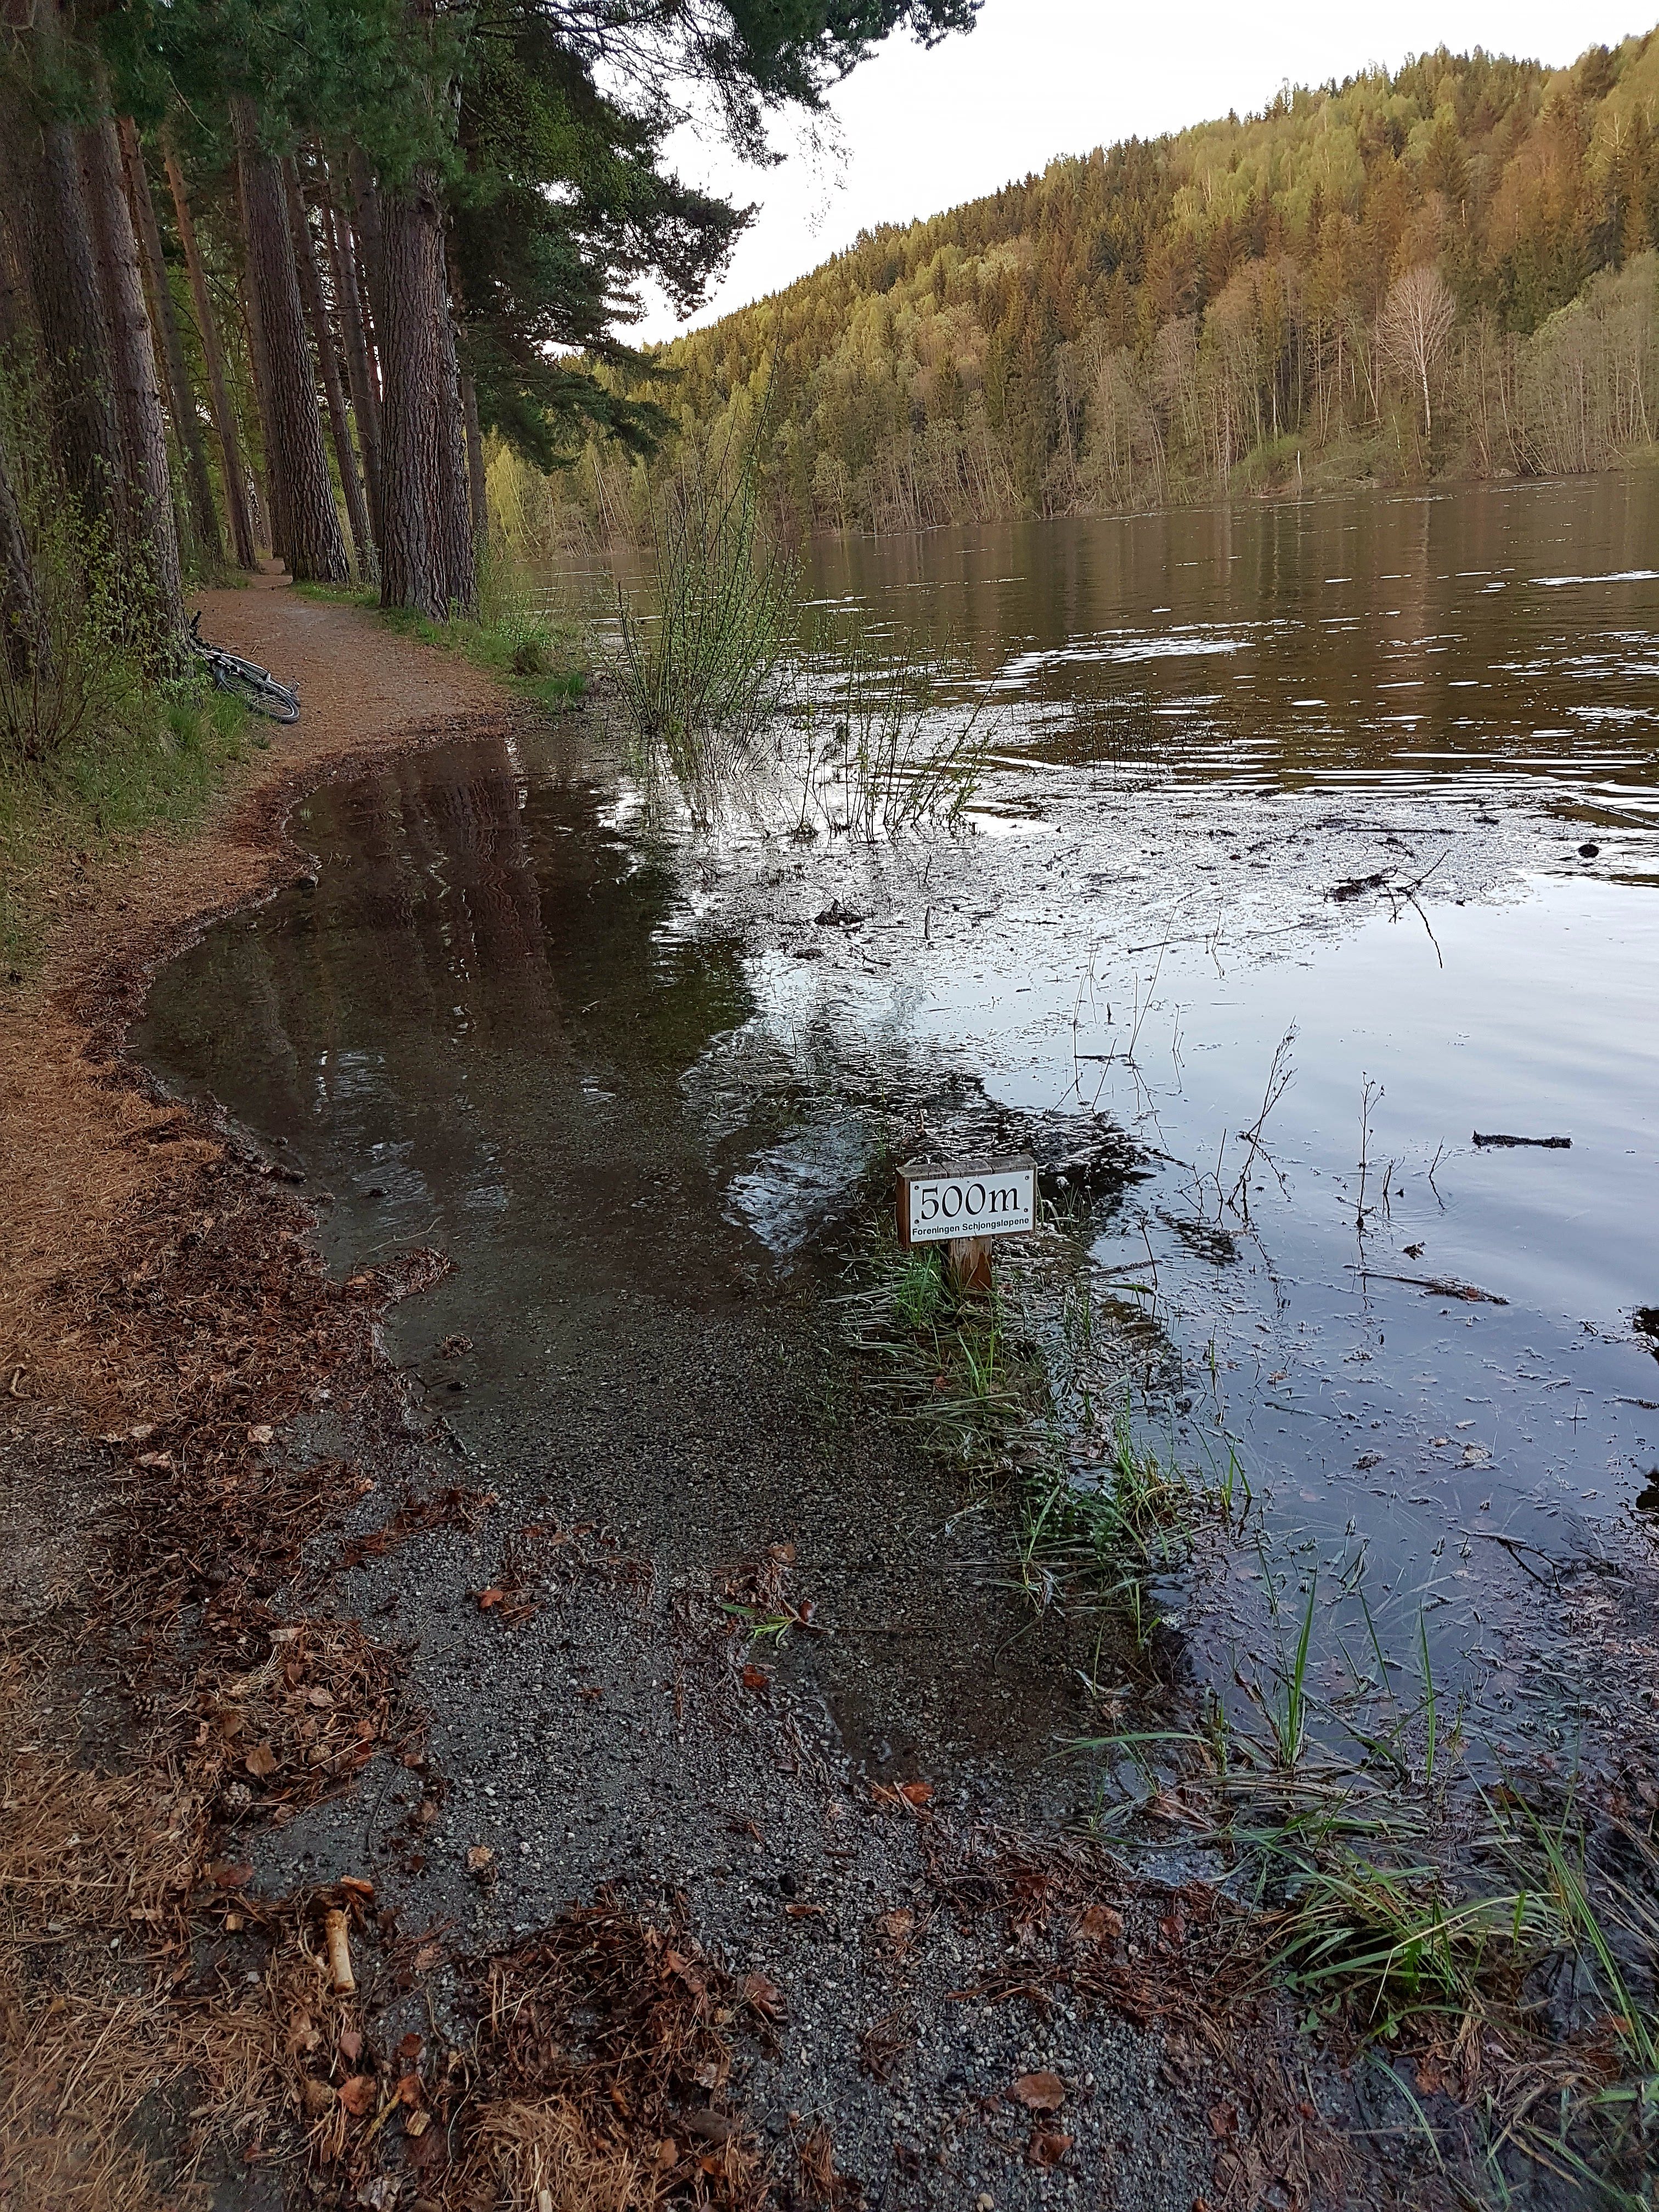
[{"x": 965, "y": 1207}]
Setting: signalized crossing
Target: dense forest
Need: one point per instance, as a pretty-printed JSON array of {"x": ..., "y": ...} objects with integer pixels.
[
  {"x": 272, "y": 271},
  {"x": 1447, "y": 270}
]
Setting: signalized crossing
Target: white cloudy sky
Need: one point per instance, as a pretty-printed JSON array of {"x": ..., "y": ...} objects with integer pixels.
[{"x": 924, "y": 130}]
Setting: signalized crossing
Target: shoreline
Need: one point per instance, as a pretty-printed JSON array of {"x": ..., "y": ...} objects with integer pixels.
[{"x": 197, "y": 1413}]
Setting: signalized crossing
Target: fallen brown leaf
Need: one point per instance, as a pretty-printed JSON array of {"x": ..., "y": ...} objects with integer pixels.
[
  {"x": 229, "y": 1877},
  {"x": 261, "y": 1760},
  {"x": 479, "y": 1859},
  {"x": 763, "y": 1994},
  {"x": 1041, "y": 2092},
  {"x": 356, "y": 2093},
  {"x": 916, "y": 1793},
  {"x": 1100, "y": 1924},
  {"x": 1047, "y": 2150}
]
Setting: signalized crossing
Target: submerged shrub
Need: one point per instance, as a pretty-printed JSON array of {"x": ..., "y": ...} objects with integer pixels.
[
  {"x": 892, "y": 761},
  {"x": 706, "y": 650}
]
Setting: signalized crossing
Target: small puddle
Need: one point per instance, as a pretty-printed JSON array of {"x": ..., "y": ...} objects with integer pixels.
[{"x": 1306, "y": 790}]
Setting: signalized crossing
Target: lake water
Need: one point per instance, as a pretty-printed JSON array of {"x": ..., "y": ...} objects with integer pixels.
[{"x": 1361, "y": 791}]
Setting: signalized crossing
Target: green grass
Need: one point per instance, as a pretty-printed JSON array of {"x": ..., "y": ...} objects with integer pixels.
[
  {"x": 155, "y": 760},
  {"x": 968, "y": 1375}
]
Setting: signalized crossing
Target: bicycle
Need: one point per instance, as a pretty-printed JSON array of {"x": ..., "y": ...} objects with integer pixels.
[{"x": 254, "y": 686}]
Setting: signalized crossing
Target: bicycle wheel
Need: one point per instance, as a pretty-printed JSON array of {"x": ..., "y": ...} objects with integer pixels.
[{"x": 263, "y": 693}]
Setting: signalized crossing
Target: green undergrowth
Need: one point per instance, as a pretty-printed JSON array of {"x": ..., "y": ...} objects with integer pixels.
[
  {"x": 154, "y": 755},
  {"x": 522, "y": 644}
]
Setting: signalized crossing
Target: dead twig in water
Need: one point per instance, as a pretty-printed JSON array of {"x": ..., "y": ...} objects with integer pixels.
[
  {"x": 1443, "y": 1286},
  {"x": 1280, "y": 1075},
  {"x": 1538, "y": 1144}
]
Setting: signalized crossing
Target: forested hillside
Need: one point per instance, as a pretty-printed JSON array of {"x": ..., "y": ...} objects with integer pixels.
[{"x": 1450, "y": 270}]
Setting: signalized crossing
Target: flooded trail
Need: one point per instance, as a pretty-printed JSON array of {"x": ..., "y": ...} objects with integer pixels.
[{"x": 475, "y": 1030}]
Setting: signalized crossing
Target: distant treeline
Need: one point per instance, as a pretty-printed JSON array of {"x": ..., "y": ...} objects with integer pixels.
[{"x": 1446, "y": 271}]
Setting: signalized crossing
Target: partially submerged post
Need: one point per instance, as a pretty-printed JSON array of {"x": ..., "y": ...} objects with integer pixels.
[{"x": 965, "y": 1208}]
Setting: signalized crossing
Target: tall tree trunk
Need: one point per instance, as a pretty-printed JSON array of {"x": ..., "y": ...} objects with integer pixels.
[
  {"x": 25, "y": 647},
  {"x": 428, "y": 560},
  {"x": 224, "y": 419},
  {"x": 475, "y": 463},
  {"x": 406, "y": 325},
  {"x": 344, "y": 276},
  {"x": 187, "y": 429},
  {"x": 132, "y": 352},
  {"x": 65, "y": 273},
  {"x": 322, "y": 333},
  {"x": 266, "y": 490},
  {"x": 453, "y": 534},
  {"x": 371, "y": 248},
  {"x": 297, "y": 466}
]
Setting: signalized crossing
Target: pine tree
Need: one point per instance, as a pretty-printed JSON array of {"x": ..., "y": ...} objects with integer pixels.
[
  {"x": 207, "y": 330},
  {"x": 304, "y": 515},
  {"x": 181, "y": 404},
  {"x": 142, "y": 427}
]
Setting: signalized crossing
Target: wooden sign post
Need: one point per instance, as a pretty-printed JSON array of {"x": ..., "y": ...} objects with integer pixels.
[{"x": 965, "y": 1208}]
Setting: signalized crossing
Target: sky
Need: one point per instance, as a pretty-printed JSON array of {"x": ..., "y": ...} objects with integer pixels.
[{"x": 921, "y": 130}]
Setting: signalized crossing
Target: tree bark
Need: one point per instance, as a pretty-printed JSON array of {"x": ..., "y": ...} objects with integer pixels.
[
  {"x": 428, "y": 560},
  {"x": 25, "y": 647},
  {"x": 224, "y": 419},
  {"x": 407, "y": 328},
  {"x": 345, "y": 278},
  {"x": 17, "y": 311},
  {"x": 453, "y": 534},
  {"x": 371, "y": 249},
  {"x": 297, "y": 466},
  {"x": 187, "y": 425},
  {"x": 74, "y": 339},
  {"x": 267, "y": 493},
  {"x": 475, "y": 463},
  {"x": 142, "y": 426},
  {"x": 322, "y": 333}
]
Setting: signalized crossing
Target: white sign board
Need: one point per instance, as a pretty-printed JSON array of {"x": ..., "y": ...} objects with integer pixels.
[{"x": 939, "y": 1205}]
